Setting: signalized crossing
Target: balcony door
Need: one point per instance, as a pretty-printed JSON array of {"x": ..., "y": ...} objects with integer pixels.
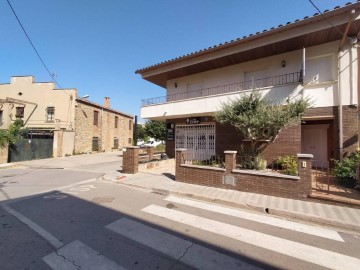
[{"x": 198, "y": 140}]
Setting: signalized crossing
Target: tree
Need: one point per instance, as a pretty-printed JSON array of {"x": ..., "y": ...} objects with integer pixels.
[
  {"x": 258, "y": 120},
  {"x": 142, "y": 133},
  {"x": 9, "y": 136},
  {"x": 156, "y": 130}
]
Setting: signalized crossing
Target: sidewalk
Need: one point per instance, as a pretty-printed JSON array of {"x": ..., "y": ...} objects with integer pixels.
[{"x": 343, "y": 217}]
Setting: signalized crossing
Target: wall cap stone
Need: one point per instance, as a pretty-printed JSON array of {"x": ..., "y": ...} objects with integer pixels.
[
  {"x": 305, "y": 156},
  {"x": 230, "y": 152},
  {"x": 203, "y": 167},
  {"x": 180, "y": 149},
  {"x": 132, "y": 147},
  {"x": 269, "y": 174}
]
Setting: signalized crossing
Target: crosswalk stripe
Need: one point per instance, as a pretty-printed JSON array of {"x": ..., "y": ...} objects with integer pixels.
[
  {"x": 175, "y": 247},
  {"x": 290, "y": 225},
  {"x": 300, "y": 251},
  {"x": 77, "y": 255}
]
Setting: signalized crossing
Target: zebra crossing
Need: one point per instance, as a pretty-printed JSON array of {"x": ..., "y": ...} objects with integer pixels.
[{"x": 199, "y": 256}]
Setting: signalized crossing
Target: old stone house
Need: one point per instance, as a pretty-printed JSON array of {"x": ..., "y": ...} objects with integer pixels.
[
  {"x": 70, "y": 124},
  {"x": 100, "y": 128}
]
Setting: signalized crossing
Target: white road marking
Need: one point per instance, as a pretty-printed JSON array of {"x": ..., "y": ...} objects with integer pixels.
[
  {"x": 49, "y": 237},
  {"x": 77, "y": 255},
  {"x": 196, "y": 256},
  {"x": 290, "y": 225},
  {"x": 57, "y": 196},
  {"x": 300, "y": 251}
]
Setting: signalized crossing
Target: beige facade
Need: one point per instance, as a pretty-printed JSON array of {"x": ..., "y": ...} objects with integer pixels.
[
  {"x": 101, "y": 131},
  {"x": 40, "y": 102},
  {"x": 60, "y": 114}
]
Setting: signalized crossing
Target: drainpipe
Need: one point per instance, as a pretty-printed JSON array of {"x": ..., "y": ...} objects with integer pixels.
[{"x": 341, "y": 132}]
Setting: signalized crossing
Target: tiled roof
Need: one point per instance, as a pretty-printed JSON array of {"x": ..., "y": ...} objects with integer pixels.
[
  {"x": 139, "y": 71},
  {"x": 83, "y": 100}
]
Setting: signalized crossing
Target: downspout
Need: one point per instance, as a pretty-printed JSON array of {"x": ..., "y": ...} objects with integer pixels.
[{"x": 341, "y": 131}]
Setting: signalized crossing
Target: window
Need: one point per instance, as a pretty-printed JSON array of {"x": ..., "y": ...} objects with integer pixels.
[
  {"x": 96, "y": 118},
  {"x": 50, "y": 114},
  {"x": 116, "y": 143},
  {"x": 130, "y": 124},
  {"x": 116, "y": 121},
  {"x": 95, "y": 144},
  {"x": 1, "y": 118},
  {"x": 129, "y": 141},
  {"x": 319, "y": 70},
  {"x": 19, "y": 112}
]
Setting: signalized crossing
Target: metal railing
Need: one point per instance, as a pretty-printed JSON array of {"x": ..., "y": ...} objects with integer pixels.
[{"x": 229, "y": 88}]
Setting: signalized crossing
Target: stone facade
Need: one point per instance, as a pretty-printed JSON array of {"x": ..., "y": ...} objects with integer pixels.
[{"x": 105, "y": 129}]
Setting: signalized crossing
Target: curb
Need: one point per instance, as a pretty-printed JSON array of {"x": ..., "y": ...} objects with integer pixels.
[{"x": 271, "y": 211}]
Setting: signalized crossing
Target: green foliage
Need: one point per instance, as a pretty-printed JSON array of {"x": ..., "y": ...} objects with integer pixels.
[
  {"x": 9, "y": 136},
  {"x": 258, "y": 120},
  {"x": 287, "y": 164},
  {"x": 345, "y": 170},
  {"x": 141, "y": 133},
  {"x": 156, "y": 130}
]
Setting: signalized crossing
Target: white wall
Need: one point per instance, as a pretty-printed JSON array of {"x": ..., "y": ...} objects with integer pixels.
[{"x": 320, "y": 84}]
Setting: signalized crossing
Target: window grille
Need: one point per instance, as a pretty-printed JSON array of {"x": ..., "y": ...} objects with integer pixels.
[{"x": 198, "y": 140}]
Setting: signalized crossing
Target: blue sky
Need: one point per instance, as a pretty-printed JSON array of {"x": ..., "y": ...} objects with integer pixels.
[{"x": 96, "y": 46}]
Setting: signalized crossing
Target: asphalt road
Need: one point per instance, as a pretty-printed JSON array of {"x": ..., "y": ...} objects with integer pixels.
[{"x": 87, "y": 223}]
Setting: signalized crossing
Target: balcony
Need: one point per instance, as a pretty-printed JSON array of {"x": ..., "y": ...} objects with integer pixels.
[
  {"x": 229, "y": 88},
  {"x": 206, "y": 101}
]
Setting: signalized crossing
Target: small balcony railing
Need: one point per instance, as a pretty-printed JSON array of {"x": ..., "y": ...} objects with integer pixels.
[{"x": 284, "y": 79}]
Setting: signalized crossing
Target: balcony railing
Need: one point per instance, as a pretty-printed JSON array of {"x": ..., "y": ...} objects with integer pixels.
[{"x": 284, "y": 79}]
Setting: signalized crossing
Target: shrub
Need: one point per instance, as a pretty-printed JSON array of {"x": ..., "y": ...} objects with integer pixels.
[
  {"x": 287, "y": 164},
  {"x": 345, "y": 170}
]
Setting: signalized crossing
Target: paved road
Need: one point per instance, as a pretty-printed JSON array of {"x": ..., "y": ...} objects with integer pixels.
[{"x": 88, "y": 223}]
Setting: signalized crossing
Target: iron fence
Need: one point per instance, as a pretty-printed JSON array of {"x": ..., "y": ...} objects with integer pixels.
[{"x": 228, "y": 88}]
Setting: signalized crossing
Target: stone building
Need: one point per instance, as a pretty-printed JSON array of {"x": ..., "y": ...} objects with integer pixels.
[
  {"x": 61, "y": 120},
  {"x": 99, "y": 128}
]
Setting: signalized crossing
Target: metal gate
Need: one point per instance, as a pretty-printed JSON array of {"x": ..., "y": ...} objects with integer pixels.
[
  {"x": 198, "y": 140},
  {"x": 29, "y": 149}
]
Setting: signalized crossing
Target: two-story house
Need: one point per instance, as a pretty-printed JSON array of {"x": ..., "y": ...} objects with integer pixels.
[
  {"x": 76, "y": 125},
  {"x": 315, "y": 57}
]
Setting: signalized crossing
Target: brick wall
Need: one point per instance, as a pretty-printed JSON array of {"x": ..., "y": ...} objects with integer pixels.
[
  {"x": 131, "y": 160},
  {"x": 247, "y": 181},
  {"x": 85, "y": 129},
  {"x": 288, "y": 141}
]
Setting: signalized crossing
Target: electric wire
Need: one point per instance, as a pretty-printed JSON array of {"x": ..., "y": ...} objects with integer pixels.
[
  {"x": 322, "y": 14},
  {"x": 33, "y": 46}
]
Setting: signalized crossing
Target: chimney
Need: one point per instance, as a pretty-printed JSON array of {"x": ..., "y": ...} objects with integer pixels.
[{"x": 106, "y": 102}]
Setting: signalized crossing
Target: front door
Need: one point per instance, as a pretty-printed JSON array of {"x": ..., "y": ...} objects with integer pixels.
[
  {"x": 198, "y": 140},
  {"x": 314, "y": 141}
]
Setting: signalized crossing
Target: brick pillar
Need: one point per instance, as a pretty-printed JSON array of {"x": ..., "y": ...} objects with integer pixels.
[
  {"x": 131, "y": 160},
  {"x": 305, "y": 167},
  {"x": 230, "y": 160},
  {"x": 179, "y": 159},
  {"x": 150, "y": 152}
]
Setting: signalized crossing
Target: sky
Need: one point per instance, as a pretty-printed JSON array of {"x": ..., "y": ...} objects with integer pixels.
[{"x": 95, "y": 46}]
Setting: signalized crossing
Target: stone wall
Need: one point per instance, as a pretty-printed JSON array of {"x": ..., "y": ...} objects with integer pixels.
[
  {"x": 4, "y": 155},
  {"x": 105, "y": 130}
]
